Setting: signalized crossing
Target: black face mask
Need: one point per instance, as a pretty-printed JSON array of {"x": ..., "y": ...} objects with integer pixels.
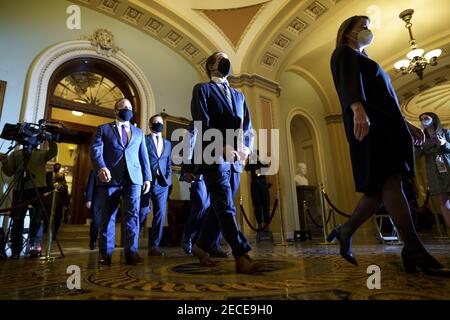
[
  {"x": 125, "y": 114},
  {"x": 224, "y": 67},
  {"x": 157, "y": 127}
]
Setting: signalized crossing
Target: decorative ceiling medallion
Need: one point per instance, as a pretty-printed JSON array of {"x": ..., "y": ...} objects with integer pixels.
[
  {"x": 297, "y": 25},
  {"x": 153, "y": 26},
  {"x": 315, "y": 10},
  {"x": 269, "y": 60},
  {"x": 190, "y": 50},
  {"x": 281, "y": 42},
  {"x": 103, "y": 41},
  {"x": 173, "y": 38},
  {"x": 109, "y": 5},
  {"x": 202, "y": 65},
  {"x": 132, "y": 15}
]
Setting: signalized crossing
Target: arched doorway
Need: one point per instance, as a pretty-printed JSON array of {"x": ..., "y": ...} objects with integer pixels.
[{"x": 81, "y": 94}]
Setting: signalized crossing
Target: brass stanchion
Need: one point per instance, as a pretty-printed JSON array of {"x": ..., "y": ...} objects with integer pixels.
[{"x": 324, "y": 219}]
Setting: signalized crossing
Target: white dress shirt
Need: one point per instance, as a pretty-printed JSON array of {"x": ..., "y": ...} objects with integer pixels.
[{"x": 158, "y": 142}]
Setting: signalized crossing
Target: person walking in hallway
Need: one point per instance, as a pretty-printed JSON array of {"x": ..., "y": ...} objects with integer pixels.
[
  {"x": 160, "y": 156},
  {"x": 215, "y": 105},
  {"x": 120, "y": 158},
  {"x": 381, "y": 144},
  {"x": 437, "y": 160}
]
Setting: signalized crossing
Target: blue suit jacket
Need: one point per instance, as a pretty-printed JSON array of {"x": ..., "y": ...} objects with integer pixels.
[
  {"x": 163, "y": 163},
  {"x": 107, "y": 151},
  {"x": 210, "y": 106}
]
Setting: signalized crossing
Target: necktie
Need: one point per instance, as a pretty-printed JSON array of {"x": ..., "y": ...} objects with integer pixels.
[
  {"x": 226, "y": 90},
  {"x": 124, "y": 136}
]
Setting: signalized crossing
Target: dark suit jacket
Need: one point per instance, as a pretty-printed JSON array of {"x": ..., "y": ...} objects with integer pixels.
[
  {"x": 210, "y": 106},
  {"x": 163, "y": 163},
  {"x": 107, "y": 151},
  {"x": 90, "y": 188}
]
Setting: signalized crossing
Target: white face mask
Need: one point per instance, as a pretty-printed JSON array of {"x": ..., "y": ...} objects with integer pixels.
[
  {"x": 427, "y": 122},
  {"x": 364, "y": 38}
]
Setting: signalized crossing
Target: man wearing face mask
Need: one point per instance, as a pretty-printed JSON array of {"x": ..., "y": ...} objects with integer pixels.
[
  {"x": 120, "y": 158},
  {"x": 159, "y": 154},
  {"x": 218, "y": 106}
]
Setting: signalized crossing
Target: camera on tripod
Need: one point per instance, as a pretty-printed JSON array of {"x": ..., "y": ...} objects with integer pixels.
[{"x": 32, "y": 135}]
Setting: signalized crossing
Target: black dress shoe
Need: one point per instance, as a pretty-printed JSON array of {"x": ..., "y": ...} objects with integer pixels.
[
  {"x": 346, "y": 247},
  {"x": 218, "y": 252},
  {"x": 155, "y": 251},
  {"x": 186, "y": 244},
  {"x": 132, "y": 258},
  {"x": 424, "y": 262},
  {"x": 105, "y": 259}
]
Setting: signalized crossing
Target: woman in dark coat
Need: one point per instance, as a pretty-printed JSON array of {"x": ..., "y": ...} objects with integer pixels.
[{"x": 381, "y": 144}]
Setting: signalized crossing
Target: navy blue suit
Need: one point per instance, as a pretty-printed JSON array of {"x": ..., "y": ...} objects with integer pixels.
[
  {"x": 161, "y": 168},
  {"x": 129, "y": 167},
  {"x": 210, "y": 106}
]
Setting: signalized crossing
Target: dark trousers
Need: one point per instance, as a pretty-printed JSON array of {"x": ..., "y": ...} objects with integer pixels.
[
  {"x": 222, "y": 186},
  {"x": 260, "y": 197},
  {"x": 200, "y": 205},
  {"x": 158, "y": 197},
  {"x": 96, "y": 214},
  {"x": 109, "y": 197},
  {"x": 18, "y": 217}
]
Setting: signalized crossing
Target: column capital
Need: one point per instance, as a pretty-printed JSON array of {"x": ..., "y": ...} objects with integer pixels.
[{"x": 251, "y": 80}]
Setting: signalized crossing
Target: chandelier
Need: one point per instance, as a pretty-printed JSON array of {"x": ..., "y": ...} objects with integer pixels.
[{"x": 417, "y": 60}]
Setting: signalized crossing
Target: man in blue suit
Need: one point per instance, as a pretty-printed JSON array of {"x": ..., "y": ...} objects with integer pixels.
[
  {"x": 159, "y": 153},
  {"x": 217, "y": 106},
  {"x": 200, "y": 203},
  {"x": 120, "y": 158}
]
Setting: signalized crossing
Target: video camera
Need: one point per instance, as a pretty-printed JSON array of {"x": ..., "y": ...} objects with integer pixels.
[{"x": 31, "y": 135}]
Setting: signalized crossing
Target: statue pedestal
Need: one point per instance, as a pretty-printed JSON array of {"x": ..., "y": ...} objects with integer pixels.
[
  {"x": 307, "y": 195},
  {"x": 264, "y": 235}
]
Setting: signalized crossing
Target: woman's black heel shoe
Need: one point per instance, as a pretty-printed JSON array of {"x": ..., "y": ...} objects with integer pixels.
[
  {"x": 345, "y": 249},
  {"x": 431, "y": 267}
]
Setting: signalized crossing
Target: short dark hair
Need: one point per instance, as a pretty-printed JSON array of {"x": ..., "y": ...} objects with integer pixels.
[
  {"x": 154, "y": 116},
  {"x": 210, "y": 61}
]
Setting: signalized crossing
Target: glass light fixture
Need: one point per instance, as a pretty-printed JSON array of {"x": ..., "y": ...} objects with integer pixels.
[
  {"x": 77, "y": 113},
  {"x": 417, "y": 61}
]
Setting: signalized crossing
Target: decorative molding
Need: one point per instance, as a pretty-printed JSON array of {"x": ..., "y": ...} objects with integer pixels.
[
  {"x": 173, "y": 38},
  {"x": 132, "y": 15},
  {"x": 103, "y": 42},
  {"x": 315, "y": 10},
  {"x": 297, "y": 26},
  {"x": 109, "y": 6},
  {"x": 190, "y": 50},
  {"x": 45, "y": 64},
  {"x": 153, "y": 26},
  {"x": 252, "y": 80},
  {"x": 281, "y": 42},
  {"x": 334, "y": 118},
  {"x": 269, "y": 60}
]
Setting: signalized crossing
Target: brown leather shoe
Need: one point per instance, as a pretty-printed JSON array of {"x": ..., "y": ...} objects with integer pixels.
[
  {"x": 155, "y": 251},
  {"x": 245, "y": 265},
  {"x": 218, "y": 252},
  {"x": 202, "y": 256}
]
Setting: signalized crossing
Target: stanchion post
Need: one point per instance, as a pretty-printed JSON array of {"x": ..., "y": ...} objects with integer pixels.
[
  {"x": 281, "y": 220},
  {"x": 324, "y": 219},
  {"x": 305, "y": 212},
  {"x": 51, "y": 224}
]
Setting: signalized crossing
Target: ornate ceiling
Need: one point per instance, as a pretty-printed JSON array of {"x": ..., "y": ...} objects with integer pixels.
[{"x": 269, "y": 37}]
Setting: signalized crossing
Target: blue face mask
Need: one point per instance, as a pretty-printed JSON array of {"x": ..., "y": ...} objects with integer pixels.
[
  {"x": 125, "y": 114},
  {"x": 157, "y": 127}
]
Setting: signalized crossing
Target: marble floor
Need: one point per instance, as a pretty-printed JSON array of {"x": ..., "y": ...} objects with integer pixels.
[{"x": 304, "y": 271}]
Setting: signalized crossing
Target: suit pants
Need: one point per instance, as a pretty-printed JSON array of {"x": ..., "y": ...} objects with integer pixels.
[
  {"x": 260, "y": 197},
  {"x": 110, "y": 197},
  {"x": 158, "y": 196},
  {"x": 222, "y": 186}
]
